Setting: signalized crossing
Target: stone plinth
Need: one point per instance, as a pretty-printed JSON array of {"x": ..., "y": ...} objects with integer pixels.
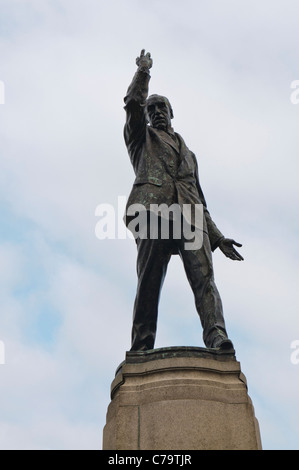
[{"x": 180, "y": 398}]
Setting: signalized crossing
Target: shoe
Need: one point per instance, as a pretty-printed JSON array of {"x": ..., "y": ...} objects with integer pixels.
[{"x": 224, "y": 344}]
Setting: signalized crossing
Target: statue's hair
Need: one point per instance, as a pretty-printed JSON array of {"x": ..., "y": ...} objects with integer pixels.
[{"x": 159, "y": 97}]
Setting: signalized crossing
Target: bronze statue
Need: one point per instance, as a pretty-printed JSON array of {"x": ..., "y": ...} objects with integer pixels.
[{"x": 167, "y": 173}]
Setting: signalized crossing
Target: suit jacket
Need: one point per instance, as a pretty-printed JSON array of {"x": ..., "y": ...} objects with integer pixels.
[{"x": 166, "y": 170}]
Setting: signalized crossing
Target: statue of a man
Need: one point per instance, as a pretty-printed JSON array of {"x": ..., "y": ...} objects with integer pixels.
[{"x": 167, "y": 173}]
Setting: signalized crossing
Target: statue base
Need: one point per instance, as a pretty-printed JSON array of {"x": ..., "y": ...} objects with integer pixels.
[{"x": 180, "y": 398}]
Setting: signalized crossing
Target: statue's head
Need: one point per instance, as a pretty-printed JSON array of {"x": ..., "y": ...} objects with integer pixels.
[{"x": 159, "y": 111}]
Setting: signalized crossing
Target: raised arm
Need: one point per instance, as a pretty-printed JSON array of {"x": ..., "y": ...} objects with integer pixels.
[{"x": 135, "y": 127}]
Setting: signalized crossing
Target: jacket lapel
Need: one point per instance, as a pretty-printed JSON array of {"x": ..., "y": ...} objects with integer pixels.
[{"x": 168, "y": 140}]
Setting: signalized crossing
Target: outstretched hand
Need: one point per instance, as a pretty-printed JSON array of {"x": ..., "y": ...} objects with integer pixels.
[
  {"x": 226, "y": 245},
  {"x": 144, "y": 60}
]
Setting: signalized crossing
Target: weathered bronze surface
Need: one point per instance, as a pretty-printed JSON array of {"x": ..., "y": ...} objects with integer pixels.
[{"x": 167, "y": 173}]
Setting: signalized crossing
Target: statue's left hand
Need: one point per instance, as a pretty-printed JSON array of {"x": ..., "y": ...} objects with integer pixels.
[{"x": 226, "y": 245}]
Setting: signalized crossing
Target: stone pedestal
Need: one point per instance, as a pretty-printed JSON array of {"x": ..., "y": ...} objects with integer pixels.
[{"x": 180, "y": 398}]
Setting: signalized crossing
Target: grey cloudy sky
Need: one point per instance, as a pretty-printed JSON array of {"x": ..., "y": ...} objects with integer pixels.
[{"x": 66, "y": 297}]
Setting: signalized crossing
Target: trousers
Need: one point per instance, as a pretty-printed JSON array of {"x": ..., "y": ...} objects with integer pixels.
[{"x": 153, "y": 256}]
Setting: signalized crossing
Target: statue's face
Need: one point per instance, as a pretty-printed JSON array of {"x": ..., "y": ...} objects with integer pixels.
[{"x": 159, "y": 114}]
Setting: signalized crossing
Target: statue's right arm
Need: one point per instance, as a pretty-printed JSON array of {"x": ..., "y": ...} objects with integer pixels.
[{"x": 135, "y": 127}]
